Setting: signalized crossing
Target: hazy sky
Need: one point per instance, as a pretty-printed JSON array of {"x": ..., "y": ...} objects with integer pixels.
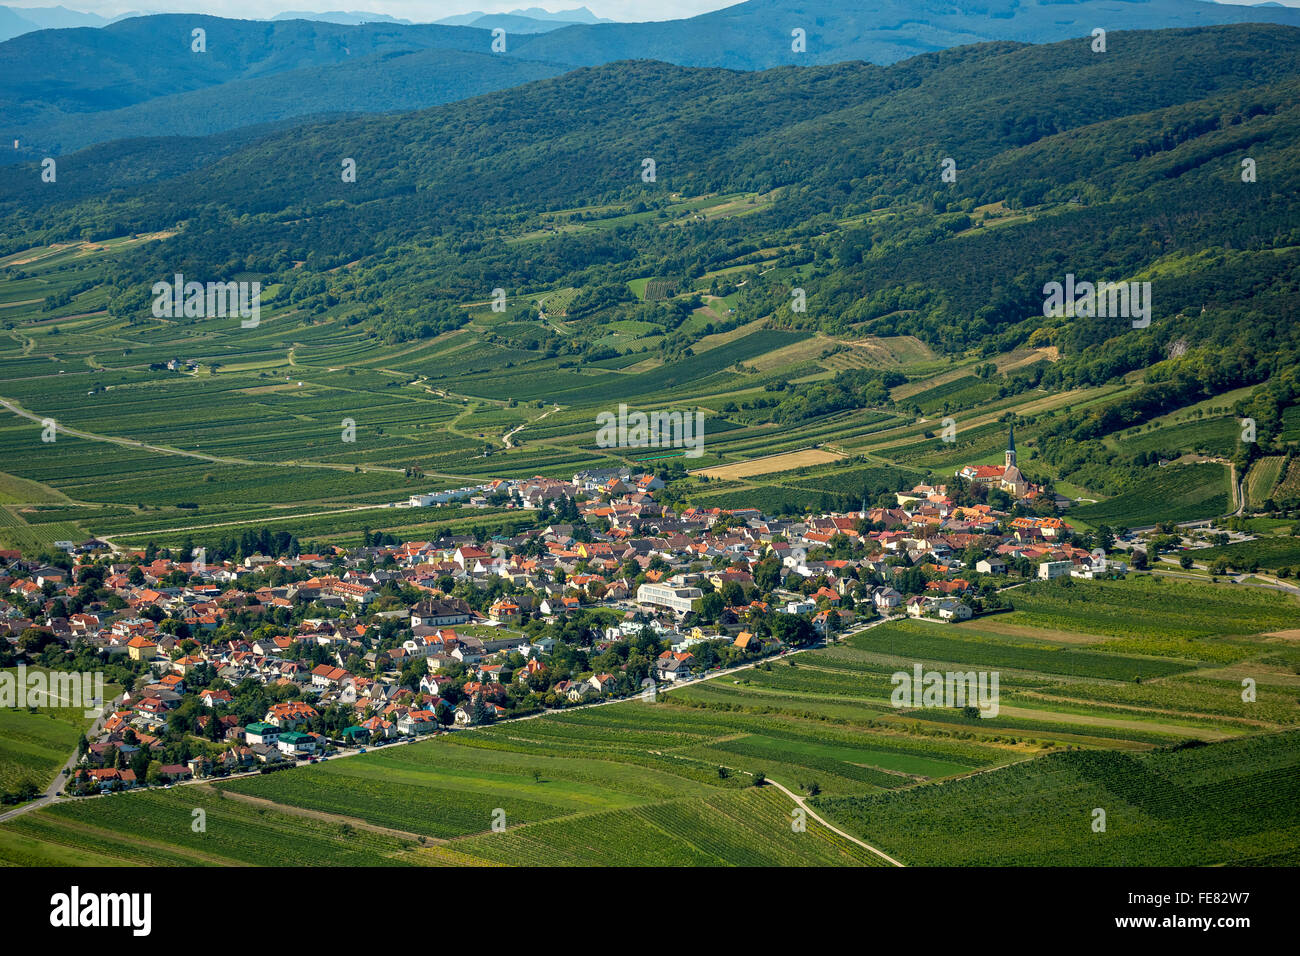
[{"x": 420, "y": 11}]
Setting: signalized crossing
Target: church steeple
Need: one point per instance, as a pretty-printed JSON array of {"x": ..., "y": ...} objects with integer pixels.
[{"x": 1011, "y": 447}]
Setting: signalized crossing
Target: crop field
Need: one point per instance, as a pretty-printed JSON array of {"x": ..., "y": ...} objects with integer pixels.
[
  {"x": 1229, "y": 803},
  {"x": 156, "y": 829},
  {"x": 773, "y": 463},
  {"x": 948, "y": 644},
  {"x": 1175, "y": 493},
  {"x": 1210, "y": 436},
  {"x": 1262, "y": 479},
  {"x": 738, "y": 828},
  {"x": 1166, "y": 609},
  {"x": 1288, "y": 488}
]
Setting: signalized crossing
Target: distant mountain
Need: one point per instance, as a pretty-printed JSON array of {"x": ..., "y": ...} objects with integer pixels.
[
  {"x": 79, "y": 86},
  {"x": 564, "y": 17},
  {"x": 13, "y": 24},
  {"x": 513, "y": 23},
  {"x": 576, "y": 15},
  {"x": 15, "y": 21},
  {"x": 381, "y": 83},
  {"x": 352, "y": 18},
  {"x": 757, "y": 34},
  {"x": 52, "y": 81}
]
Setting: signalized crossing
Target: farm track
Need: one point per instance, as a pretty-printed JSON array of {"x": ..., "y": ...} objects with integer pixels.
[
  {"x": 506, "y": 439},
  {"x": 802, "y": 804}
]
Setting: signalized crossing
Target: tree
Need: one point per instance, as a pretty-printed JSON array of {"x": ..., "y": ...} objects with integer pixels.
[
  {"x": 1185, "y": 561},
  {"x": 1105, "y": 538},
  {"x": 710, "y": 606},
  {"x": 1139, "y": 560},
  {"x": 767, "y": 574}
]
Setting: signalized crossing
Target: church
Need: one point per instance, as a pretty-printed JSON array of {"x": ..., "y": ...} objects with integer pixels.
[{"x": 1007, "y": 477}]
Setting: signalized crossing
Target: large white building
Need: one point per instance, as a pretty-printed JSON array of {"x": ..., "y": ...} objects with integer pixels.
[
  {"x": 1054, "y": 569},
  {"x": 678, "y": 599}
]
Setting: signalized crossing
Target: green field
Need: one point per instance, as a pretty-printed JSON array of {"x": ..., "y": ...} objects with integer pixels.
[
  {"x": 1231, "y": 803},
  {"x": 1175, "y": 493},
  {"x": 1262, "y": 479}
]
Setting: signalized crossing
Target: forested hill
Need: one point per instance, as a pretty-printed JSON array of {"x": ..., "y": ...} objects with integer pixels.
[
  {"x": 381, "y": 82},
  {"x": 836, "y": 140}
]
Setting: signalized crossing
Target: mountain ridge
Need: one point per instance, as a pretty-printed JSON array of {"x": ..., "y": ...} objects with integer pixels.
[{"x": 55, "y": 79}]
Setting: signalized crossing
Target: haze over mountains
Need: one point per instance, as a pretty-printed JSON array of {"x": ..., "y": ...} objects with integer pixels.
[
  {"x": 62, "y": 90},
  {"x": 15, "y": 21}
]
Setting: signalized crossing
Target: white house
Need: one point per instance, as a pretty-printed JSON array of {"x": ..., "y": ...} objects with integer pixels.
[{"x": 1054, "y": 569}]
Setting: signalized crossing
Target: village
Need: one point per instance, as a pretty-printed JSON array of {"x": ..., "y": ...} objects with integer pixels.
[{"x": 263, "y": 662}]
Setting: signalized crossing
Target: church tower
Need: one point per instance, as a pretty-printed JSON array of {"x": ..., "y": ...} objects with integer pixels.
[{"x": 1011, "y": 447}]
